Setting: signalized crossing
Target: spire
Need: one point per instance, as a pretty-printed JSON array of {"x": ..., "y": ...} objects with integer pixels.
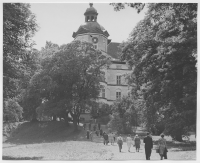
[{"x": 91, "y": 4}]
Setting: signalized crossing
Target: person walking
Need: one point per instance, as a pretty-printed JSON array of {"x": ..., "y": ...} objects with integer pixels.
[
  {"x": 88, "y": 134},
  {"x": 162, "y": 147},
  {"x": 106, "y": 139},
  {"x": 99, "y": 126},
  {"x": 91, "y": 136},
  {"x": 148, "y": 146},
  {"x": 104, "y": 142},
  {"x": 89, "y": 126},
  {"x": 137, "y": 143},
  {"x": 97, "y": 132},
  {"x": 120, "y": 143},
  {"x": 94, "y": 127},
  {"x": 129, "y": 142},
  {"x": 112, "y": 139},
  {"x": 101, "y": 132},
  {"x": 84, "y": 126}
]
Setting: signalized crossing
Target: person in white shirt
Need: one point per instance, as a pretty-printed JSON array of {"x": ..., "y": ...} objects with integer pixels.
[
  {"x": 129, "y": 142},
  {"x": 112, "y": 139}
]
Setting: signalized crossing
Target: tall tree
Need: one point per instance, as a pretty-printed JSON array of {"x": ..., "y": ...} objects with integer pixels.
[
  {"x": 69, "y": 80},
  {"x": 19, "y": 25},
  {"x": 163, "y": 49}
]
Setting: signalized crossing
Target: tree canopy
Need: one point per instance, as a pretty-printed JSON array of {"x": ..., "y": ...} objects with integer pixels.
[
  {"x": 19, "y": 25},
  {"x": 119, "y": 6},
  {"x": 126, "y": 114},
  {"x": 69, "y": 80},
  {"x": 163, "y": 50}
]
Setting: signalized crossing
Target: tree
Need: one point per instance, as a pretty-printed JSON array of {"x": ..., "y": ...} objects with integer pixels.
[
  {"x": 31, "y": 62},
  {"x": 31, "y": 97},
  {"x": 163, "y": 49},
  {"x": 99, "y": 110},
  {"x": 49, "y": 50},
  {"x": 12, "y": 111},
  {"x": 125, "y": 115},
  {"x": 19, "y": 25},
  {"x": 69, "y": 80},
  {"x": 120, "y": 6}
]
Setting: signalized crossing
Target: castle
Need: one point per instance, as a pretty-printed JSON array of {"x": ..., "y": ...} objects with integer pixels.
[{"x": 114, "y": 85}]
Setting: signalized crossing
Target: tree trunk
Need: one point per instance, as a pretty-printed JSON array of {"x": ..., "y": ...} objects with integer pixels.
[
  {"x": 34, "y": 117},
  {"x": 75, "y": 120},
  {"x": 66, "y": 119},
  {"x": 78, "y": 120},
  {"x": 75, "y": 123}
]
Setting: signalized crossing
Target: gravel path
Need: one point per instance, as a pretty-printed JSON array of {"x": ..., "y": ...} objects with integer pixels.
[{"x": 85, "y": 150}]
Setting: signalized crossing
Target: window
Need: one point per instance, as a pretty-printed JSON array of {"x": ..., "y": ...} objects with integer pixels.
[
  {"x": 104, "y": 43},
  {"x": 95, "y": 46},
  {"x": 103, "y": 92},
  {"x": 92, "y": 19},
  {"x": 118, "y": 95},
  {"x": 118, "y": 80},
  {"x": 103, "y": 77}
]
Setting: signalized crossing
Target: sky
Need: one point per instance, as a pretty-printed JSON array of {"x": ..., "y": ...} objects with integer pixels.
[{"x": 58, "y": 21}]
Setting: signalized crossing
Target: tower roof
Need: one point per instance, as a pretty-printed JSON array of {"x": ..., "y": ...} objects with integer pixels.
[
  {"x": 91, "y": 10},
  {"x": 91, "y": 25}
]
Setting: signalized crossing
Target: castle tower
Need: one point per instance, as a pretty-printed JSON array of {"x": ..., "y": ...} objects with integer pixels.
[
  {"x": 114, "y": 84},
  {"x": 91, "y": 31}
]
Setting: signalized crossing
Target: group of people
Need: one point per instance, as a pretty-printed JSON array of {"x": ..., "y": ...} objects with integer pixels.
[
  {"x": 90, "y": 125},
  {"x": 108, "y": 138},
  {"x": 161, "y": 148},
  {"x": 135, "y": 142},
  {"x": 111, "y": 137},
  {"x": 96, "y": 130}
]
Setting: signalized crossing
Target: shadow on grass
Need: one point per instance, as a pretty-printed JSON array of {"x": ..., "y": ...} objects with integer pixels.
[
  {"x": 46, "y": 132},
  {"x": 20, "y": 158},
  {"x": 180, "y": 146}
]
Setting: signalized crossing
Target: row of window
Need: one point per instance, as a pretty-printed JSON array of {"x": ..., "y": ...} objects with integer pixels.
[
  {"x": 103, "y": 93},
  {"x": 118, "y": 79}
]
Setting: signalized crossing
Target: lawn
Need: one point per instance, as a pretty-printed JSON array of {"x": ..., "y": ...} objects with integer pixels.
[{"x": 56, "y": 141}]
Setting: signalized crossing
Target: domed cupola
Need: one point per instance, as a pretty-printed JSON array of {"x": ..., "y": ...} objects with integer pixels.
[
  {"x": 90, "y": 25},
  {"x": 91, "y": 14}
]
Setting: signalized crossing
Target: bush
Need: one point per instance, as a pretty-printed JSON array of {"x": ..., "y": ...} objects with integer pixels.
[
  {"x": 104, "y": 120},
  {"x": 116, "y": 123},
  {"x": 12, "y": 111},
  {"x": 120, "y": 124}
]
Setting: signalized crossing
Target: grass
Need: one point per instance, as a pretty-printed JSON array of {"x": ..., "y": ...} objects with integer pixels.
[
  {"x": 56, "y": 131},
  {"x": 52, "y": 140},
  {"x": 41, "y": 132},
  {"x": 180, "y": 146}
]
